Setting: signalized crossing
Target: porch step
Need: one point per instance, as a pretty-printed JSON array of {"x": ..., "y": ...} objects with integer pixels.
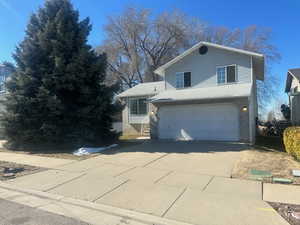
[{"x": 146, "y": 131}]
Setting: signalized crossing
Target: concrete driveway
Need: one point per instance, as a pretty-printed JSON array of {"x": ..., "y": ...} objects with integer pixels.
[{"x": 184, "y": 181}]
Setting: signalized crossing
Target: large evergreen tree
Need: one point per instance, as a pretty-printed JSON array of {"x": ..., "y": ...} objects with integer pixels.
[{"x": 57, "y": 94}]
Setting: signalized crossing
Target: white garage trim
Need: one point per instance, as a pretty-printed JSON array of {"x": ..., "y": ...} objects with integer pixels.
[{"x": 199, "y": 122}]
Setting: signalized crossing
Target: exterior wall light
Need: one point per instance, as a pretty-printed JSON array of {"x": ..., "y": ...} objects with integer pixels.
[{"x": 245, "y": 109}]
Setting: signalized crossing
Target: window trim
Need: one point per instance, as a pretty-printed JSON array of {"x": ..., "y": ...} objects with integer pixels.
[
  {"x": 236, "y": 75},
  {"x": 137, "y": 98},
  {"x": 219, "y": 67},
  {"x": 182, "y": 77}
]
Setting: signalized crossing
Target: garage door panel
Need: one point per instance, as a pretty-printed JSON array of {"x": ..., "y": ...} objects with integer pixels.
[{"x": 199, "y": 122}]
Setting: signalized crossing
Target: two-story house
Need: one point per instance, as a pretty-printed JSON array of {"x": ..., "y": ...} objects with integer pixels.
[
  {"x": 208, "y": 93},
  {"x": 292, "y": 88}
]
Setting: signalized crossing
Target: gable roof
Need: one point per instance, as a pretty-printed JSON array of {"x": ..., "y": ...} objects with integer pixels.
[
  {"x": 215, "y": 92},
  {"x": 292, "y": 73},
  {"x": 144, "y": 89},
  {"x": 258, "y": 59}
]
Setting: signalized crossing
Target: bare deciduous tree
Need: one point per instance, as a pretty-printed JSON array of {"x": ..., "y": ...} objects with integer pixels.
[{"x": 137, "y": 43}]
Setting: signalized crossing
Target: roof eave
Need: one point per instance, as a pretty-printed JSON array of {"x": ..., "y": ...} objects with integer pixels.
[
  {"x": 160, "y": 70},
  {"x": 289, "y": 78},
  {"x": 136, "y": 95},
  {"x": 295, "y": 73},
  {"x": 196, "y": 99}
]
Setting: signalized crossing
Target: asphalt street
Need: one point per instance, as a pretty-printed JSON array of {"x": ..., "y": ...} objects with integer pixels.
[{"x": 16, "y": 214}]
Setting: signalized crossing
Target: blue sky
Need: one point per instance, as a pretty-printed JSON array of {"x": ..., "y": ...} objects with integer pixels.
[{"x": 282, "y": 16}]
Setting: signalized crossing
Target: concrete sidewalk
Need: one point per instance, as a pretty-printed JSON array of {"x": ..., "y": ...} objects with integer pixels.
[
  {"x": 33, "y": 160},
  {"x": 88, "y": 212},
  {"x": 207, "y": 200},
  {"x": 282, "y": 193}
]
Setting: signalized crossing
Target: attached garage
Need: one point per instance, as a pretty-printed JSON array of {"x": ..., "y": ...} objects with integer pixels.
[{"x": 199, "y": 122}]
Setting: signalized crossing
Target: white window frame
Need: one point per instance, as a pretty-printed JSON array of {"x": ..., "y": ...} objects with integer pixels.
[
  {"x": 225, "y": 74},
  {"x": 137, "y": 98},
  {"x": 225, "y": 66},
  {"x": 180, "y": 75}
]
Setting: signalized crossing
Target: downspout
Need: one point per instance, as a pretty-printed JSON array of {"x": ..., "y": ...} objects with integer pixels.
[{"x": 251, "y": 105}]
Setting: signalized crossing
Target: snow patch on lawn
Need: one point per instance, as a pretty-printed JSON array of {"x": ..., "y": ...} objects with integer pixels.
[{"x": 87, "y": 150}]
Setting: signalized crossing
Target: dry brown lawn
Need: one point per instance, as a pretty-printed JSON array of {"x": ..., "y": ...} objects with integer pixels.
[{"x": 280, "y": 164}]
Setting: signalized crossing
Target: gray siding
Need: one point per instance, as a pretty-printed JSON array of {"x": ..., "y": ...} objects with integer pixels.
[
  {"x": 295, "y": 103},
  {"x": 295, "y": 109},
  {"x": 203, "y": 67},
  {"x": 295, "y": 83}
]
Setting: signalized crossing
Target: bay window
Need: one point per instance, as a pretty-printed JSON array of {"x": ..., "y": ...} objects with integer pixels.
[{"x": 138, "y": 106}]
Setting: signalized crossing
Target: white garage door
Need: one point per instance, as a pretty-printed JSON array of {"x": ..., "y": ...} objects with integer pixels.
[{"x": 199, "y": 122}]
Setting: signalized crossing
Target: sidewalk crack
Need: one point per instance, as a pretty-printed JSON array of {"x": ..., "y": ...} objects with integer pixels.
[
  {"x": 110, "y": 191},
  {"x": 208, "y": 183},
  {"x": 159, "y": 179},
  {"x": 49, "y": 189},
  {"x": 174, "y": 202},
  {"x": 125, "y": 171},
  {"x": 155, "y": 160}
]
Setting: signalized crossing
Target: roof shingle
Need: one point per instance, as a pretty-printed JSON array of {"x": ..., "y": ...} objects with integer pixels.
[
  {"x": 216, "y": 92},
  {"x": 144, "y": 89}
]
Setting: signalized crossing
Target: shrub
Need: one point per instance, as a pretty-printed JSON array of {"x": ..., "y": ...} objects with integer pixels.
[{"x": 291, "y": 139}]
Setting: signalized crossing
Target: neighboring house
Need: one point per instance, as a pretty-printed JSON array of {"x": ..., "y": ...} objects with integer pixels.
[
  {"x": 292, "y": 88},
  {"x": 208, "y": 93},
  {"x": 5, "y": 72}
]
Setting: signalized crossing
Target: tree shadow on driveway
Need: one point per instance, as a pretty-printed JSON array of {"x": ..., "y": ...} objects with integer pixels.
[{"x": 184, "y": 147}]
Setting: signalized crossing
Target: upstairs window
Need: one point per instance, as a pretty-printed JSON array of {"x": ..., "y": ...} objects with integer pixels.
[
  {"x": 226, "y": 74},
  {"x": 138, "y": 106},
  {"x": 221, "y": 72},
  {"x": 183, "y": 80}
]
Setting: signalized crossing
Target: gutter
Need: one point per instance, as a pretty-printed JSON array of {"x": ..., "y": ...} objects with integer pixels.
[{"x": 194, "y": 99}]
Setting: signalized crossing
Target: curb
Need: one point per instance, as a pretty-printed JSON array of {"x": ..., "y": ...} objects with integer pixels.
[{"x": 101, "y": 208}]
